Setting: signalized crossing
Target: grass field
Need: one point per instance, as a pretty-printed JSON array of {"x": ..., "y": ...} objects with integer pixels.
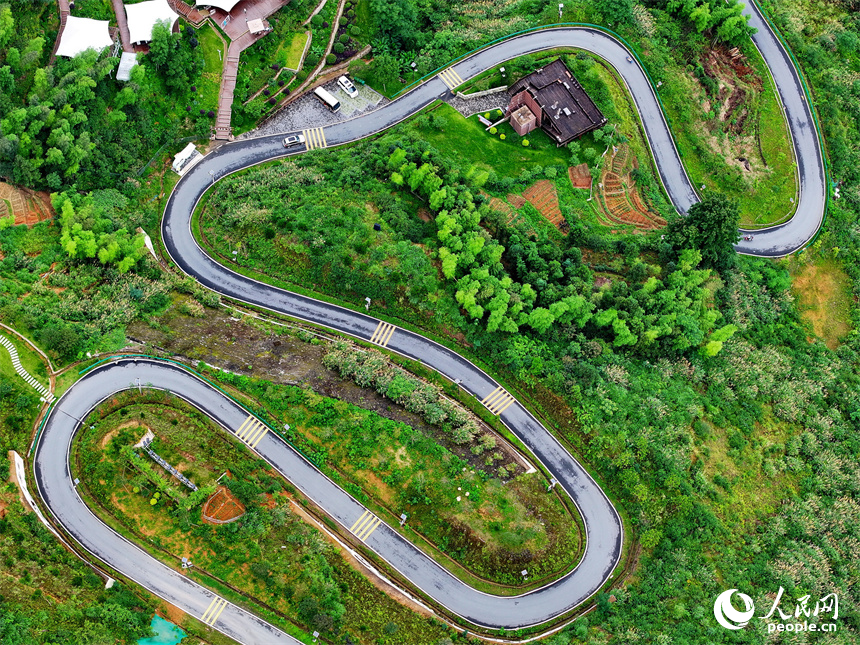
[
  {"x": 210, "y": 81},
  {"x": 310, "y": 581},
  {"x": 295, "y": 49},
  {"x": 765, "y": 195},
  {"x": 824, "y": 295},
  {"x": 30, "y": 361},
  {"x": 465, "y": 139}
]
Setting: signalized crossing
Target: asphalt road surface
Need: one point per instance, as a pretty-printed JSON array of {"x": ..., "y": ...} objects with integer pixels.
[{"x": 603, "y": 526}]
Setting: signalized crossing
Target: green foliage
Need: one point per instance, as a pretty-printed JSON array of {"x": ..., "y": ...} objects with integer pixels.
[
  {"x": 723, "y": 18},
  {"x": 89, "y": 230},
  {"x": 617, "y": 12},
  {"x": 710, "y": 226}
]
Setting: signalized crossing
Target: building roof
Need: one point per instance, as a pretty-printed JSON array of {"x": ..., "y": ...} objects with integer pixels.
[
  {"x": 126, "y": 62},
  {"x": 523, "y": 115},
  {"x": 256, "y": 25},
  {"x": 568, "y": 111},
  {"x": 226, "y": 5},
  {"x": 143, "y": 16},
  {"x": 81, "y": 34}
]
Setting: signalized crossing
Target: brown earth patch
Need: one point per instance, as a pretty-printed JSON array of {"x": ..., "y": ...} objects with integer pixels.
[
  {"x": 619, "y": 200},
  {"x": 29, "y": 207},
  {"x": 580, "y": 177},
  {"x": 543, "y": 196},
  {"x": 222, "y": 507},
  {"x": 125, "y": 424},
  {"x": 823, "y": 290}
]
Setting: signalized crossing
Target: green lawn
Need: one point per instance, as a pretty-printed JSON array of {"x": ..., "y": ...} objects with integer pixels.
[
  {"x": 30, "y": 361},
  {"x": 295, "y": 49},
  {"x": 466, "y": 139},
  {"x": 210, "y": 81}
]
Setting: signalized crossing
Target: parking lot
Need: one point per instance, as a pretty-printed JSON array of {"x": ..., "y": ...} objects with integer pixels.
[{"x": 309, "y": 112}]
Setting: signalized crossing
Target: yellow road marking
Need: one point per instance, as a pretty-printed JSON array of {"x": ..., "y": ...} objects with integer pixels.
[
  {"x": 214, "y": 617},
  {"x": 253, "y": 441},
  {"x": 213, "y": 611},
  {"x": 450, "y": 78},
  {"x": 368, "y": 518},
  {"x": 242, "y": 427},
  {"x": 492, "y": 395},
  {"x": 369, "y": 528},
  {"x": 383, "y": 333},
  {"x": 500, "y": 403},
  {"x": 498, "y": 400},
  {"x": 314, "y": 138},
  {"x": 363, "y": 515},
  {"x": 248, "y": 429}
]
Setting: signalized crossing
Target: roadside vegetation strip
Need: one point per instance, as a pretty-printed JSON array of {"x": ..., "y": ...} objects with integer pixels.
[
  {"x": 488, "y": 528},
  {"x": 243, "y": 562},
  {"x": 24, "y": 374}
]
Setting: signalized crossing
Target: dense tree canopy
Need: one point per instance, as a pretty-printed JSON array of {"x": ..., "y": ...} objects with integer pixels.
[{"x": 710, "y": 226}]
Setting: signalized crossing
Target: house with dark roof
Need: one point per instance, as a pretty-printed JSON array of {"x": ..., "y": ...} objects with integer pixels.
[{"x": 551, "y": 99}]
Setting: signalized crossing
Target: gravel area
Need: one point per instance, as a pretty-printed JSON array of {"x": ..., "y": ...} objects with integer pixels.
[
  {"x": 467, "y": 106},
  {"x": 309, "y": 112}
]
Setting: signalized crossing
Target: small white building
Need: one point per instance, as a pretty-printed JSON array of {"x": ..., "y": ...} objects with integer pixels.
[
  {"x": 81, "y": 34},
  {"x": 126, "y": 62},
  {"x": 186, "y": 159},
  {"x": 143, "y": 16}
]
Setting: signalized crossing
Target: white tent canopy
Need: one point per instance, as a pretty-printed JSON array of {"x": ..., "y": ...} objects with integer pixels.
[
  {"x": 226, "y": 5},
  {"x": 143, "y": 16},
  {"x": 81, "y": 34}
]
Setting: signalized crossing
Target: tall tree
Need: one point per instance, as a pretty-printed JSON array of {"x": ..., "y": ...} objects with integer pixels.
[
  {"x": 711, "y": 226},
  {"x": 616, "y": 12}
]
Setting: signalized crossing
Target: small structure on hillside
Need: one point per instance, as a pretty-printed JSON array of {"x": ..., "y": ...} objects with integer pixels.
[
  {"x": 81, "y": 34},
  {"x": 551, "y": 99},
  {"x": 258, "y": 26},
  {"x": 127, "y": 61},
  {"x": 143, "y": 16},
  {"x": 186, "y": 159}
]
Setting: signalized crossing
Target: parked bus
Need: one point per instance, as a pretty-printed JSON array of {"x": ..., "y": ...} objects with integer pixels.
[{"x": 332, "y": 103}]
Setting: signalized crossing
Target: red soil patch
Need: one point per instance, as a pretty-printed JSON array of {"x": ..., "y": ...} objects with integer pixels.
[
  {"x": 621, "y": 201},
  {"x": 28, "y": 207},
  {"x": 579, "y": 175},
  {"x": 544, "y": 198},
  {"x": 222, "y": 507}
]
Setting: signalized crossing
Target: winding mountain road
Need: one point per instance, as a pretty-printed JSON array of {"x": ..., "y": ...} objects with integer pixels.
[{"x": 604, "y": 531}]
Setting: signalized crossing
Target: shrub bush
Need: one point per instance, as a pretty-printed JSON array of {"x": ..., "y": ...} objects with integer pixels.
[
  {"x": 210, "y": 114},
  {"x": 266, "y": 92},
  {"x": 351, "y": 13},
  {"x": 526, "y": 143},
  {"x": 343, "y": 21},
  {"x": 493, "y": 130},
  {"x": 317, "y": 20},
  {"x": 272, "y": 101},
  {"x": 338, "y": 48},
  {"x": 344, "y": 38},
  {"x": 355, "y": 30},
  {"x": 331, "y": 59},
  {"x": 502, "y": 136}
]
